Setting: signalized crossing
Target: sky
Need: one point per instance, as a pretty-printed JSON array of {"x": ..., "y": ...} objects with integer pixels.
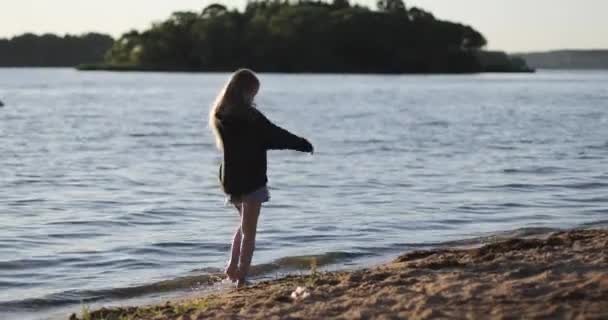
[{"x": 510, "y": 25}]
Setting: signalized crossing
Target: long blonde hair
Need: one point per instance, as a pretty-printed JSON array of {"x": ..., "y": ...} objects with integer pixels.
[{"x": 232, "y": 99}]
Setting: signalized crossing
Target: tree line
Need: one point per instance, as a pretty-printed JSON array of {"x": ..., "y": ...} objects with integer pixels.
[
  {"x": 275, "y": 36},
  {"x": 302, "y": 36},
  {"x": 48, "y": 50}
]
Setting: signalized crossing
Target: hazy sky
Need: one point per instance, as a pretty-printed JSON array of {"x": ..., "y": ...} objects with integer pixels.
[{"x": 512, "y": 25}]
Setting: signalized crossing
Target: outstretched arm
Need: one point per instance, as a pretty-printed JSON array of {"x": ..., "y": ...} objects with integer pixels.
[{"x": 277, "y": 138}]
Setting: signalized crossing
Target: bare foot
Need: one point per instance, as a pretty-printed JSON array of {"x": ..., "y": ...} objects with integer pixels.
[
  {"x": 232, "y": 272},
  {"x": 242, "y": 283}
]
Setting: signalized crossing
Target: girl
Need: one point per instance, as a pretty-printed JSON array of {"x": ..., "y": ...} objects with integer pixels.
[{"x": 244, "y": 135}]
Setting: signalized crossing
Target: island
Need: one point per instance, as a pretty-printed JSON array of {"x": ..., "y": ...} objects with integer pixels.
[{"x": 307, "y": 37}]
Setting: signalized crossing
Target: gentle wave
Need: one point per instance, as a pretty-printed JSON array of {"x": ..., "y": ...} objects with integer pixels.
[
  {"x": 87, "y": 296},
  {"x": 206, "y": 277},
  {"x": 209, "y": 277}
]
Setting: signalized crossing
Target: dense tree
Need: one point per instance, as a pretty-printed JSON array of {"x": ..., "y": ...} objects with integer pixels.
[
  {"x": 302, "y": 36},
  {"x": 53, "y": 51},
  {"x": 214, "y": 10},
  {"x": 396, "y": 6},
  {"x": 340, "y": 4}
]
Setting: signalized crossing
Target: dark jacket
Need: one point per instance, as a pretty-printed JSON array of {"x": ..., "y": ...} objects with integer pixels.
[{"x": 246, "y": 138}]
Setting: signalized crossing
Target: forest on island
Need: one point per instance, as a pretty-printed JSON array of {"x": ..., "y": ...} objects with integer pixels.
[
  {"x": 302, "y": 36},
  {"x": 275, "y": 36}
]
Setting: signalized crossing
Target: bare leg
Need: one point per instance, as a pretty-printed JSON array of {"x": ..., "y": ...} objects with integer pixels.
[
  {"x": 232, "y": 270},
  {"x": 249, "y": 224}
]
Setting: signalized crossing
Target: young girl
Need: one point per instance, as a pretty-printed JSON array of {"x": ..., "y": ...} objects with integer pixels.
[{"x": 244, "y": 135}]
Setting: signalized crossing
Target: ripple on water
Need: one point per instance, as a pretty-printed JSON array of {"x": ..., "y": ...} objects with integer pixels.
[
  {"x": 25, "y": 202},
  {"x": 590, "y": 200},
  {"x": 129, "y": 188},
  {"x": 150, "y": 134},
  {"x": 533, "y": 170},
  {"x": 23, "y": 284},
  {"x": 586, "y": 185},
  {"x": 76, "y": 235},
  {"x": 88, "y": 223},
  {"x": 31, "y": 263}
]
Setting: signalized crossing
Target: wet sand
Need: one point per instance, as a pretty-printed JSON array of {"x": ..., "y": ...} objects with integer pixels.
[{"x": 562, "y": 276}]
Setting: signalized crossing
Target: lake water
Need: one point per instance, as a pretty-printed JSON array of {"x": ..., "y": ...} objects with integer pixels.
[{"x": 108, "y": 181}]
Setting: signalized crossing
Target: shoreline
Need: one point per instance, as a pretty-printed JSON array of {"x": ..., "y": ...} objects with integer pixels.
[
  {"x": 143, "y": 69},
  {"x": 562, "y": 275}
]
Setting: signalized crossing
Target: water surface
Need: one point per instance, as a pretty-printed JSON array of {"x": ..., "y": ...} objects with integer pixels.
[{"x": 108, "y": 181}]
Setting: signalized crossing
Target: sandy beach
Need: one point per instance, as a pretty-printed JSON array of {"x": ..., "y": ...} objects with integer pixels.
[{"x": 561, "y": 276}]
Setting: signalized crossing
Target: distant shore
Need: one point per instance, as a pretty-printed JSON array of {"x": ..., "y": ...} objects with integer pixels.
[
  {"x": 126, "y": 68},
  {"x": 563, "y": 275}
]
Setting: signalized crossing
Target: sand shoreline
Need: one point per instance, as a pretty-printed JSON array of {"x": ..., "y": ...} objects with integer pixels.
[{"x": 563, "y": 276}]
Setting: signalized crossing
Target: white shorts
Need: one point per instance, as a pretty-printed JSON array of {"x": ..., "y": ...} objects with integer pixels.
[{"x": 260, "y": 195}]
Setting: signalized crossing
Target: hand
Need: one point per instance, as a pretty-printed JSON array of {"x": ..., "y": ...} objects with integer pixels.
[{"x": 308, "y": 147}]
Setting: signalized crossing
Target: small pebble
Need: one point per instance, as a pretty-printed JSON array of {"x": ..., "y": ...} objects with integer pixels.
[{"x": 300, "y": 293}]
